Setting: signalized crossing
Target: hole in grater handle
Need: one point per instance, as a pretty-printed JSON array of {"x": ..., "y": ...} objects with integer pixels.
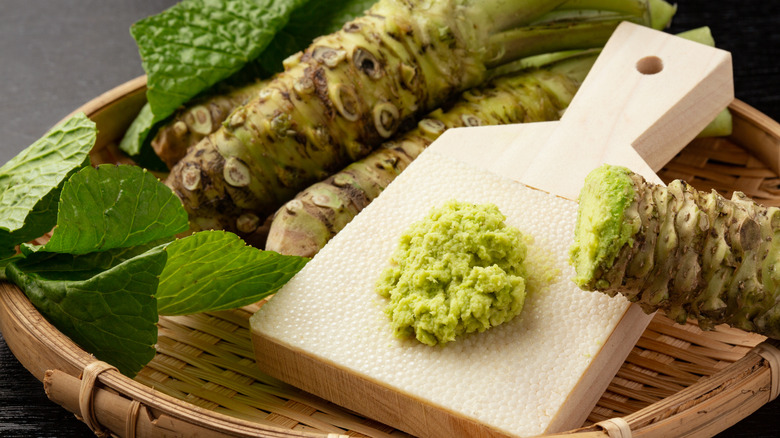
[{"x": 649, "y": 65}]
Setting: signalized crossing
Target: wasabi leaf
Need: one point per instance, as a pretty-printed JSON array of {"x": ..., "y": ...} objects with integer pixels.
[
  {"x": 111, "y": 313},
  {"x": 114, "y": 207},
  {"x": 5, "y": 262},
  {"x": 137, "y": 131},
  {"x": 196, "y": 43},
  {"x": 80, "y": 266},
  {"x": 138, "y": 134},
  {"x": 31, "y": 181},
  {"x": 216, "y": 270}
]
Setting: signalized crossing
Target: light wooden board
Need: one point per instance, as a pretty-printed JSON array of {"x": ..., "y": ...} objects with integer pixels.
[
  {"x": 620, "y": 106},
  {"x": 516, "y": 377}
]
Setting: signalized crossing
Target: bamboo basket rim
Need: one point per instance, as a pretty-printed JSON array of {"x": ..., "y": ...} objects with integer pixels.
[{"x": 95, "y": 403}]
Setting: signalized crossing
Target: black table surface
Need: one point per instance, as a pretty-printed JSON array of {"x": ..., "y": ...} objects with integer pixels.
[{"x": 57, "y": 55}]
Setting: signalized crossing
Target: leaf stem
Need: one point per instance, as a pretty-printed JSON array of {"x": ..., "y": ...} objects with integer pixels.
[{"x": 528, "y": 41}]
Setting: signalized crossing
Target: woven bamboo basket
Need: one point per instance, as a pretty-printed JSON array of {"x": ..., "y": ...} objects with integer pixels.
[{"x": 677, "y": 381}]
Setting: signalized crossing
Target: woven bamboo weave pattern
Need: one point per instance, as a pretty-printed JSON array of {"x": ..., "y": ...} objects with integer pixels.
[
  {"x": 207, "y": 360},
  {"x": 724, "y": 166}
]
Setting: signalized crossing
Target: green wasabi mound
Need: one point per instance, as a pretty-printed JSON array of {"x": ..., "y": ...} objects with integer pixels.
[
  {"x": 605, "y": 224},
  {"x": 458, "y": 271}
]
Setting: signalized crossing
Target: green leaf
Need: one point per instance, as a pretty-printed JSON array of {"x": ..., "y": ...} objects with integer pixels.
[
  {"x": 216, "y": 270},
  {"x": 307, "y": 20},
  {"x": 137, "y": 140},
  {"x": 196, "y": 43},
  {"x": 111, "y": 313},
  {"x": 316, "y": 18},
  {"x": 81, "y": 266},
  {"x": 31, "y": 181},
  {"x": 5, "y": 262},
  {"x": 114, "y": 207},
  {"x": 138, "y": 130}
]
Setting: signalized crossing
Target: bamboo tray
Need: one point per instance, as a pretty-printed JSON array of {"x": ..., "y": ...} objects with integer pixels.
[{"x": 677, "y": 380}]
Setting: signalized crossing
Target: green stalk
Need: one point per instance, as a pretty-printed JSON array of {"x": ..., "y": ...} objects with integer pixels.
[
  {"x": 576, "y": 24},
  {"x": 499, "y": 15},
  {"x": 720, "y": 127},
  {"x": 692, "y": 254},
  {"x": 639, "y": 8},
  {"x": 551, "y": 37},
  {"x": 701, "y": 35},
  {"x": 538, "y": 61},
  {"x": 575, "y": 67},
  {"x": 662, "y": 13},
  {"x": 656, "y": 13}
]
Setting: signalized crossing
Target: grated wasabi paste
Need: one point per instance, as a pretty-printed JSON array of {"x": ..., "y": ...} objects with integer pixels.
[{"x": 458, "y": 271}]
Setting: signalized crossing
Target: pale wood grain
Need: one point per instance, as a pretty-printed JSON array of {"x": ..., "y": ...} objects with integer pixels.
[
  {"x": 618, "y": 116},
  {"x": 618, "y": 106}
]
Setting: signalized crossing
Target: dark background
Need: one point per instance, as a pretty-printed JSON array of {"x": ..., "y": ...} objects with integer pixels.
[{"x": 57, "y": 55}]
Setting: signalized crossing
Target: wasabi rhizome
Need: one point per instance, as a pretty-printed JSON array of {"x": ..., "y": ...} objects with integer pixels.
[{"x": 692, "y": 254}]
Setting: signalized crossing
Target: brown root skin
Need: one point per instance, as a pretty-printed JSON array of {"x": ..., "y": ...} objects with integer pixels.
[
  {"x": 700, "y": 255},
  {"x": 197, "y": 120},
  {"x": 304, "y": 225}
]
